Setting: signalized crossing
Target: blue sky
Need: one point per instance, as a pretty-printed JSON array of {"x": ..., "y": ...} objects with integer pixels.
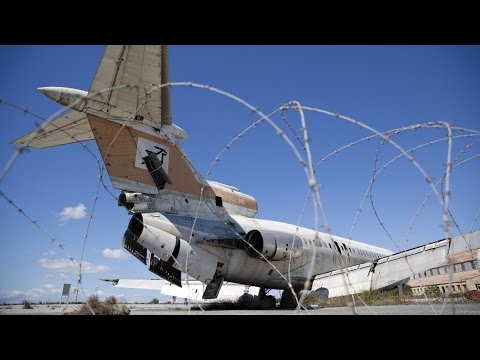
[{"x": 385, "y": 87}]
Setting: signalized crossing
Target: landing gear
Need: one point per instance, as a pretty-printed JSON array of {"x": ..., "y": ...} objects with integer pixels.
[
  {"x": 288, "y": 300},
  {"x": 245, "y": 299},
  {"x": 260, "y": 302},
  {"x": 266, "y": 301}
]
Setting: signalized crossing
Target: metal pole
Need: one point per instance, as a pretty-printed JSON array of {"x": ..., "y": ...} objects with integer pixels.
[{"x": 400, "y": 292}]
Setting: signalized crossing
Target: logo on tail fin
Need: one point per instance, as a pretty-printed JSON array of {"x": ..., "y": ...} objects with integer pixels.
[{"x": 146, "y": 147}]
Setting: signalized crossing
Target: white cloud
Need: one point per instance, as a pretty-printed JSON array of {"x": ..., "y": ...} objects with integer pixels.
[
  {"x": 58, "y": 276},
  {"x": 10, "y": 294},
  {"x": 73, "y": 213},
  {"x": 49, "y": 253},
  {"x": 117, "y": 254},
  {"x": 52, "y": 293},
  {"x": 66, "y": 265},
  {"x": 42, "y": 293}
]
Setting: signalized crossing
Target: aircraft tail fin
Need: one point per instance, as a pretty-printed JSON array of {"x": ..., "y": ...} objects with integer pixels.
[
  {"x": 127, "y": 110},
  {"x": 142, "y": 155},
  {"x": 139, "y": 160}
]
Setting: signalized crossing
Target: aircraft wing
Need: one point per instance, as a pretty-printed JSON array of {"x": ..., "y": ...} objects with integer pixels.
[
  {"x": 396, "y": 269},
  {"x": 135, "y": 69},
  {"x": 147, "y": 284},
  {"x": 192, "y": 291},
  {"x": 68, "y": 128}
]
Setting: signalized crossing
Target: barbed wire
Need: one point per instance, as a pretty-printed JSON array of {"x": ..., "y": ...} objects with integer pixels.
[
  {"x": 427, "y": 196},
  {"x": 411, "y": 159},
  {"x": 369, "y": 194},
  {"x": 52, "y": 238},
  {"x": 375, "y": 174},
  {"x": 474, "y": 220},
  {"x": 40, "y": 129},
  {"x": 306, "y": 165}
]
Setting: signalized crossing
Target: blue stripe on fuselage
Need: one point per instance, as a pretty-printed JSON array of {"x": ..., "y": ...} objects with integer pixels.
[{"x": 209, "y": 226}]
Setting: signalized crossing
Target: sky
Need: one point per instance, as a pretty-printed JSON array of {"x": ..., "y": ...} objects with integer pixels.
[{"x": 385, "y": 87}]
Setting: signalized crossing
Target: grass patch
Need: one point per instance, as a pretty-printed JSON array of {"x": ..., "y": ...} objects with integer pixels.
[
  {"x": 371, "y": 298},
  {"x": 109, "y": 307},
  {"x": 27, "y": 305}
]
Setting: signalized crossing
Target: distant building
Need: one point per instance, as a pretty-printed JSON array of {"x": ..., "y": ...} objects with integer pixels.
[{"x": 465, "y": 273}]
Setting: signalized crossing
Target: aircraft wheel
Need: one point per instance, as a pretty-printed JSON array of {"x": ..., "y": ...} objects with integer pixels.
[
  {"x": 288, "y": 300},
  {"x": 268, "y": 302},
  {"x": 245, "y": 298}
]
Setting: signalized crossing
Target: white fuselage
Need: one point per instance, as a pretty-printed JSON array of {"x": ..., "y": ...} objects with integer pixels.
[
  {"x": 326, "y": 252},
  {"x": 200, "y": 227}
]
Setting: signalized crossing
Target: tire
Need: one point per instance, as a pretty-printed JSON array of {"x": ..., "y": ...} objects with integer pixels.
[
  {"x": 268, "y": 302},
  {"x": 288, "y": 300}
]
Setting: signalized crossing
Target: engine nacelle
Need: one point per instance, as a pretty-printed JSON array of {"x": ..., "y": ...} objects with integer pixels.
[
  {"x": 136, "y": 202},
  {"x": 273, "y": 245},
  {"x": 201, "y": 264}
]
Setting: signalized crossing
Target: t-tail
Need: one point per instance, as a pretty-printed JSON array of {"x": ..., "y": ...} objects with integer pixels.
[{"x": 127, "y": 112}]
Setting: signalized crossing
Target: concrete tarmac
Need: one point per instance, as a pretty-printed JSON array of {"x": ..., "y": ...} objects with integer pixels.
[{"x": 169, "y": 309}]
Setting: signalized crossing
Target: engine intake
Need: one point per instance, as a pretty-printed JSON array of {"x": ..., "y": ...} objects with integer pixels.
[
  {"x": 136, "y": 202},
  {"x": 273, "y": 246},
  {"x": 173, "y": 252}
]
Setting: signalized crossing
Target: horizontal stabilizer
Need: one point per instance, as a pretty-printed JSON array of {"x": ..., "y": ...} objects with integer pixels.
[{"x": 68, "y": 128}]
